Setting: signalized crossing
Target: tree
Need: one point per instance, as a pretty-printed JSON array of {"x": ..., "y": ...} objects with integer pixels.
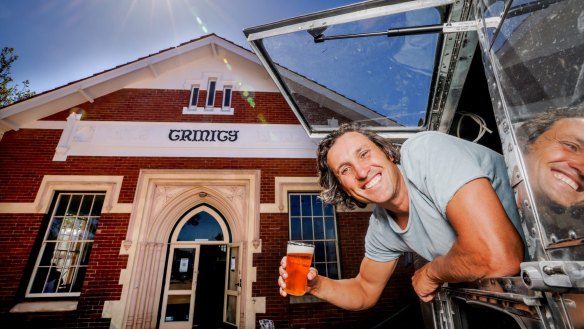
[{"x": 10, "y": 94}]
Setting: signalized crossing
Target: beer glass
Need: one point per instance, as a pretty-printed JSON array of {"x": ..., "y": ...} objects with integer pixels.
[{"x": 299, "y": 257}]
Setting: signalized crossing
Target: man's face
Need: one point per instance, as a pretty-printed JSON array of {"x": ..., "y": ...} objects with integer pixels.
[
  {"x": 363, "y": 169},
  {"x": 555, "y": 162}
]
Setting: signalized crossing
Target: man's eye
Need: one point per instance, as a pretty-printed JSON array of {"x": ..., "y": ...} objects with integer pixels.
[
  {"x": 364, "y": 153},
  {"x": 571, "y": 146},
  {"x": 345, "y": 171}
]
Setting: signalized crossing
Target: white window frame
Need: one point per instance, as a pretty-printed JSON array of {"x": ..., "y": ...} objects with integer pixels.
[
  {"x": 209, "y": 108},
  {"x": 195, "y": 93},
  {"x": 227, "y": 92},
  {"x": 211, "y": 91},
  {"x": 64, "y": 241},
  {"x": 313, "y": 239}
]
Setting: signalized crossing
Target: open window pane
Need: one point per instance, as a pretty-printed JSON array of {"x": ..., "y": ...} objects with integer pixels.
[{"x": 385, "y": 82}]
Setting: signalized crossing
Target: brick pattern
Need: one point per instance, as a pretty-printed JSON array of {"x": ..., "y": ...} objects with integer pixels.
[
  {"x": 26, "y": 156},
  {"x": 20, "y": 237},
  {"x": 148, "y": 105}
]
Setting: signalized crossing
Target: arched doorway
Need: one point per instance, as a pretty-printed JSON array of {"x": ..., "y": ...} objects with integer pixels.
[{"x": 202, "y": 276}]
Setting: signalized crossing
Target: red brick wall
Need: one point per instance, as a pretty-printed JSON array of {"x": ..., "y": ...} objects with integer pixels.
[
  {"x": 18, "y": 235},
  {"x": 151, "y": 105}
]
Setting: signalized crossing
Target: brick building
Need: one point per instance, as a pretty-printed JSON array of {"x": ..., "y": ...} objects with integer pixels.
[{"x": 161, "y": 194}]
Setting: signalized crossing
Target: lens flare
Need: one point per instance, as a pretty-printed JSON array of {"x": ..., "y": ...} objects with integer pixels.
[{"x": 227, "y": 64}]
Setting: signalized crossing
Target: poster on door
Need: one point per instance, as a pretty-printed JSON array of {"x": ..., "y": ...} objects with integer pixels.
[{"x": 184, "y": 265}]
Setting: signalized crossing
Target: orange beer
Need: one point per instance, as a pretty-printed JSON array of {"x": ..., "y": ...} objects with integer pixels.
[{"x": 299, "y": 257}]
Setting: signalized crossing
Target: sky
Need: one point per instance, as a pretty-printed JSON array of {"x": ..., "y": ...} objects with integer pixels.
[{"x": 60, "y": 41}]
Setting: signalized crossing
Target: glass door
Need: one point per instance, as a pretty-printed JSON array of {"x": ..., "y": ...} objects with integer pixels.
[
  {"x": 179, "y": 288},
  {"x": 233, "y": 286}
]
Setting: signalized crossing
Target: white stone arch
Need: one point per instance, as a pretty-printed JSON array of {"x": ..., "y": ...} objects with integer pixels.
[
  {"x": 164, "y": 221},
  {"x": 162, "y": 198}
]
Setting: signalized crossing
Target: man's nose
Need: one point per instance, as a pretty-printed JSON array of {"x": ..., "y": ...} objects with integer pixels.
[{"x": 361, "y": 171}]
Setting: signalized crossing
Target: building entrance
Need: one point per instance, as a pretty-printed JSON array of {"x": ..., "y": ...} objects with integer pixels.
[{"x": 199, "y": 265}]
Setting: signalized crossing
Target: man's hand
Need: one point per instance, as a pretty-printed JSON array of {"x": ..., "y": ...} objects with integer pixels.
[
  {"x": 312, "y": 278},
  {"x": 425, "y": 286}
]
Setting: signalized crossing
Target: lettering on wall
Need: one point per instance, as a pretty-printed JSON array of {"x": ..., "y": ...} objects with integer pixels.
[{"x": 196, "y": 135}]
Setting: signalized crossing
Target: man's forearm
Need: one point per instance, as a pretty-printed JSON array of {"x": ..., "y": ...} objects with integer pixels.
[
  {"x": 459, "y": 266},
  {"x": 346, "y": 294}
]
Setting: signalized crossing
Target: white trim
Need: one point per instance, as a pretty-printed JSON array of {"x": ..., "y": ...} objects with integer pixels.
[
  {"x": 50, "y": 184},
  {"x": 52, "y": 306},
  {"x": 183, "y": 139},
  {"x": 208, "y": 110},
  {"x": 283, "y": 185}
]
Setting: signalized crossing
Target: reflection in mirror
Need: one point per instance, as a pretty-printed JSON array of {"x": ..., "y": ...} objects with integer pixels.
[
  {"x": 553, "y": 149},
  {"x": 379, "y": 81}
]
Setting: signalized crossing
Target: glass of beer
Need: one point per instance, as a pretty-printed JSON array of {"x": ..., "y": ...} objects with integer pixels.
[{"x": 299, "y": 257}]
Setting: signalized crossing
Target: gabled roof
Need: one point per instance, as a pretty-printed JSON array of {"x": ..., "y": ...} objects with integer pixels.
[{"x": 18, "y": 114}]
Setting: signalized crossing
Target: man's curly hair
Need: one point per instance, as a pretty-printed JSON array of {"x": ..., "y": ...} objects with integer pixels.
[
  {"x": 332, "y": 191},
  {"x": 529, "y": 131}
]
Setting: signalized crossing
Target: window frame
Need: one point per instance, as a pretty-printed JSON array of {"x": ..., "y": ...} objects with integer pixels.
[
  {"x": 227, "y": 90},
  {"x": 211, "y": 90},
  {"x": 314, "y": 240},
  {"x": 195, "y": 93},
  {"x": 85, "y": 244}
]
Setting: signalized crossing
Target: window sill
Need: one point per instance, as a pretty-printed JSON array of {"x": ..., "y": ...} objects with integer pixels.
[
  {"x": 208, "y": 110},
  {"x": 52, "y": 306},
  {"x": 304, "y": 299}
]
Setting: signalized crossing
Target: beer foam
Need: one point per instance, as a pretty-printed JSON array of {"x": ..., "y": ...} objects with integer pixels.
[{"x": 300, "y": 249}]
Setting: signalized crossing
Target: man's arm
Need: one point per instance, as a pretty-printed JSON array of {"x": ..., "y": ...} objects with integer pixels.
[
  {"x": 355, "y": 294},
  {"x": 487, "y": 243}
]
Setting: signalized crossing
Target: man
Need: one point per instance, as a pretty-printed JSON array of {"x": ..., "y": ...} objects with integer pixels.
[
  {"x": 448, "y": 200},
  {"x": 554, "y": 151}
]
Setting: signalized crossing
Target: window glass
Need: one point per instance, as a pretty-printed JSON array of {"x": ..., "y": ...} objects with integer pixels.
[
  {"x": 227, "y": 97},
  {"x": 211, "y": 93},
  {"x": 64, "y": 257},
  {"x": 203, "y": 227},
  {"x": 194, "y": 96},
  {"x": 384, "y": 81},
  {"x": 313, "y": 222}
]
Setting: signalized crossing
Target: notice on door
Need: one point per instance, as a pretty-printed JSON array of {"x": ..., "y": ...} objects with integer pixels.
[
  {"x": 184, "y": 265},
  {"x": 232, "y": 264}
]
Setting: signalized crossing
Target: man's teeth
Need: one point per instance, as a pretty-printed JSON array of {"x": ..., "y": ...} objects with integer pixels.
[
  {"x": 373, "y": 182},
  {"x": 566, "y": 180}
]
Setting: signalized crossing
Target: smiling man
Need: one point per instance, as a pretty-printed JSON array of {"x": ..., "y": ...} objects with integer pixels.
[
  {"x": 447, "y": 199},
  {"x": 554, "y": 152}
]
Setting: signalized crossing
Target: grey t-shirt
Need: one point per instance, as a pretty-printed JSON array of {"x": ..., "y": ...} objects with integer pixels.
[{"x": 434, "y": 166}]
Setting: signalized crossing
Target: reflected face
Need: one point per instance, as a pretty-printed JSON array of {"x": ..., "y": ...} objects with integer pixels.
[
  {"x": 555, "y": 162},
  {"x": 364, "y": 170}
]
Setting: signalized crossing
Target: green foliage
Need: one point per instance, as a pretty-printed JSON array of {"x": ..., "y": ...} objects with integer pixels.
[{"x": 10, "y": 94}]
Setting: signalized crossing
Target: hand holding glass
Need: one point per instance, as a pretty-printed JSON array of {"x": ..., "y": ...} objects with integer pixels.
[{"x": 299, "y": 257}]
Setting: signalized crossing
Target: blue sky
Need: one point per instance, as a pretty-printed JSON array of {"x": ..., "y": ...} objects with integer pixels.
[{"x": 59, "y": 41}]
